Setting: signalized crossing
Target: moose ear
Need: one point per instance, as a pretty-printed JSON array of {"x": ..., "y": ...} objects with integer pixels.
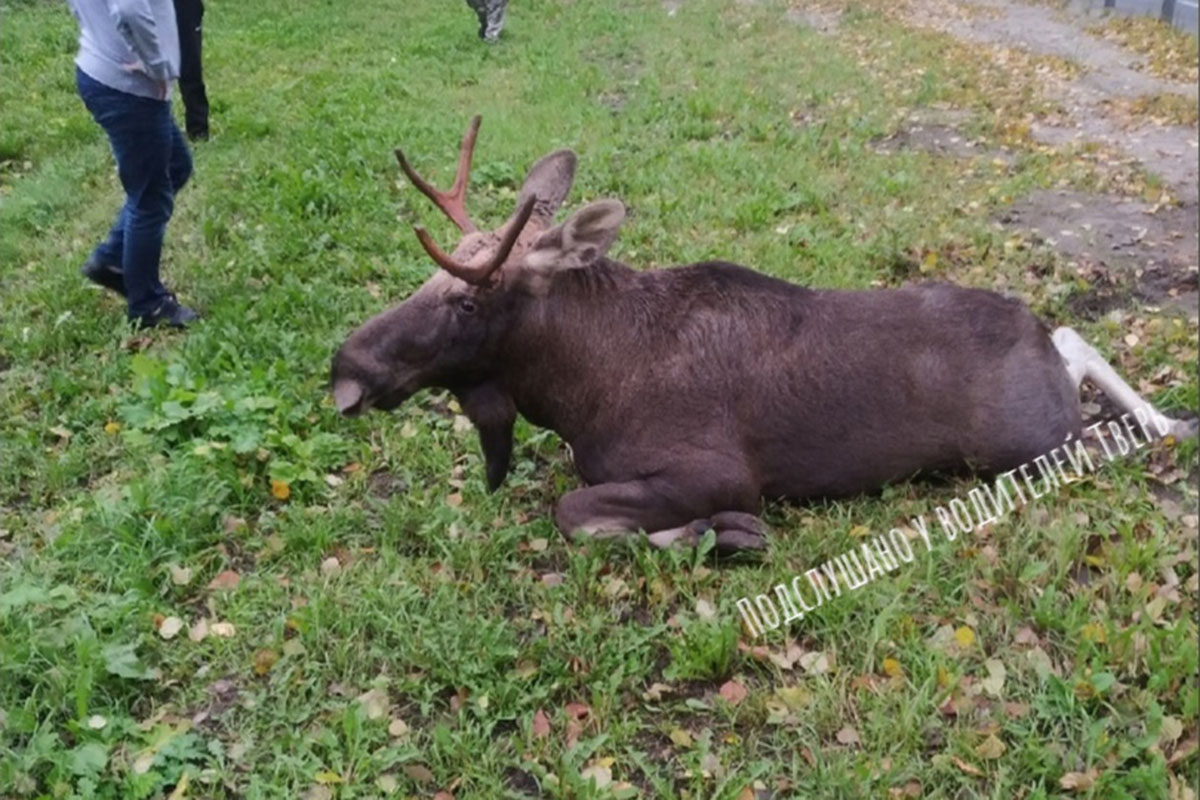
[
  {"x": 549, "y": 180},
  {"x": 584, "y": 238}
]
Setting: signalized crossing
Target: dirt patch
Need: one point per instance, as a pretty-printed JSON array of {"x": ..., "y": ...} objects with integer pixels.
[
  {"x": 825, "y": 22},
  {"x": 938, "y": 140},
  {"x": 1123, "y": 248},
  {"x": 384, "y": 484}
]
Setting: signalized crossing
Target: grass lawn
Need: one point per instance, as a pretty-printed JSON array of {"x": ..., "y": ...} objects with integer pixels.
[{"x": 211, "y": 586}]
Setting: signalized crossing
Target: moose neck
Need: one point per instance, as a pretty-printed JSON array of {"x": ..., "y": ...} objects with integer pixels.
[{"x": 563, "y": 354}]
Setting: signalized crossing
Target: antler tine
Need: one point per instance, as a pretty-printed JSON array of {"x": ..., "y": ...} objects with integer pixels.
[
  {"x": 453, "y": 202},
  {"x": 481, "y": 274}
]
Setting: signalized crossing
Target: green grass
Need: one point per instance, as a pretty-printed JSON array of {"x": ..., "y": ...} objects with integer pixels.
[{"x": 124, "y": 457}]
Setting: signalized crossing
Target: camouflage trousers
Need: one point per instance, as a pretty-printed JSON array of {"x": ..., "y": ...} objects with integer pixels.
[{"x": 491, "y": 17}]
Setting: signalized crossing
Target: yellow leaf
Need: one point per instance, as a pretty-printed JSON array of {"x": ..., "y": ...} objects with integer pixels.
[
  {"x": 280, "y": 490},
  {"x": 112, "y": 427},
  {"x": 681, "y": 738},
  {"x": 892, "y": 668},
  {"x": 859, "y": 531},
  {"x": 964, "y": 636},
  {"x": 929, "y": 262},
  {"x": 325, "y": 777},
  {"x": 1094, "y": 632},
  {"x": 263, "y": 661},
  {"x": 990, "y": 748}
]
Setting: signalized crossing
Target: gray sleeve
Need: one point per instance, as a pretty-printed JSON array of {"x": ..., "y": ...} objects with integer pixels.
[{"x": 137, "y": 25}]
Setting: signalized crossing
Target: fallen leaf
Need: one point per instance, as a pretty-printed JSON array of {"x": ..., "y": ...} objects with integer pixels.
[
  {"x": 681, "y": 738},
  {"x": 397, "y": 728},
  {"x": 264, "y": 659},
  {"x": 538, "y": 545},
  {"x": 387, "y": 783},
  {"x": 330, "y": 566},
  {"x": 181, "y": 786},
  {"x": 990, "y": 748},
  {"x": 112, "y": 427},
  {"x": 794, "y": 697},
  {"x": 550, "y": 579},
  {"x": 733, "y": 692},
  {"x": 993, "y": 684},
  {"x": 96, "y": 722},
  {"x": 280, "y": 490},
  {"x": 964, "y": 637},
  {"x": 602, "y": 775},
  {"x": 656, "y": 691},
  {"x": 318, "y": 793},
  {"x": 455, "y": 500},
  {"x": 970, "y": 769},
  {"x": 892, "y": 668},
  {"x": 225, "y": 580},
  {"x": 375, "y": 703},
  {"x": 848, "y": 735},
  {"x": 419, "y": 773},
  {"x": 541, "y": 724},
  {"x": 1078, "y": 781},
  {"x": 704, "y": 609},
  {"x": 815, "y": 663},
  {"x": 1171, "y": 730},
  {"x": 199, "y": 630},
  {"x": 180, "y": 576},
  {"x": 224, "y": 629},
  {"x": 170, "y": 627}
]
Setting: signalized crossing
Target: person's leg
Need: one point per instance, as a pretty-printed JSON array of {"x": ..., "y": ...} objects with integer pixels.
[
  {"x": 140, "y": 132},
  {"x": 480, "y": 9},
  {"x": 189, "y": 15},
  {"x": 494, "y": 19}
]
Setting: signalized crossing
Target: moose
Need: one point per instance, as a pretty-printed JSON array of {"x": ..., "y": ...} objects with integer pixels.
[{"x": 689, "y": 394}]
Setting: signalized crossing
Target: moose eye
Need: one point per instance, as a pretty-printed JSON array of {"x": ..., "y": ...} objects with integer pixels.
[{"x": 466, "y": 305}]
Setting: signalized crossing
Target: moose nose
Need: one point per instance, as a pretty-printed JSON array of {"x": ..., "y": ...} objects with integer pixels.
[{"x": 348, "y": 397}]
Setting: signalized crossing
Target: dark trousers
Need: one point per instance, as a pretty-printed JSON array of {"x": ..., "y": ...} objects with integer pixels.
[
  {"x": 153, "y": 164},
  {"x": 189, "y": 16}
]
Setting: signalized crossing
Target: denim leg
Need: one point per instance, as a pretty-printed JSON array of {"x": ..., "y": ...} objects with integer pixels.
[
  {"x": 111, "y": 252},
  {"x": 143, "y": 137}
]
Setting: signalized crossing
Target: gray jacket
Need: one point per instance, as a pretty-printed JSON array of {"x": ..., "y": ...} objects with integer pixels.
[{"x": 113, "y": 34}]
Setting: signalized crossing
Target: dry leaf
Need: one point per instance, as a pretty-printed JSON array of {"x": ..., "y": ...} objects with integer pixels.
[
  {"x": 330, "y": 566},
  {"x": 541, "y": 724},
  {"x": 96, "y": 722},
  {"x": 199, "y": 630},
  {"x": 993, "y": 684},
  {"x": 225, "y": 580},
  {"x": 455, "y": 500},
  {"x": 599, "y": 773},
  {"x": 970, "y": 769},
  {"x": 170, "y": 627},
  {"x": 264, "y": 659},
  {"x": 892, "y": 668},
  {"x": 815, "y": 663},
  {"x": 180, "y": 576},
  {"x": 223, "y": 629},
  {"x": 991, "y": 748},
  {"x": 280, "y": 490},
  {"x": 387, "y": 783},
  {"x": 848, "y": 735},
  {"x": 419, "y": 773},
  {"x": 397, "y": 727},
  {"x": 375, "y": 703},
  {"x": 656, "y": 691},
  {"x": 681, "y": 738},
  {"x": 318, "y": 793},
  {"x": 733, "y": 692},
  {"x": 538, "y": 545},
  {"x": 704, "y": 609},
  {"x": 1079, "y": 781}
]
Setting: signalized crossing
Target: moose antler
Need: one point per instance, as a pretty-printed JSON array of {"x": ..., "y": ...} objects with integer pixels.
[
  {"x": 481, "y": 274},
  {"x": 453, "y": 202}
]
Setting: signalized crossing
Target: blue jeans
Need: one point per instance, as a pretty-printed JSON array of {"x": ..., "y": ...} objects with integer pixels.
[{"x": 153, "y": 163}]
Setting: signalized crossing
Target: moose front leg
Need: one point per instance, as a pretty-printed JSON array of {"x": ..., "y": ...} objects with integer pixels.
[{"x": 670, "y": 512}]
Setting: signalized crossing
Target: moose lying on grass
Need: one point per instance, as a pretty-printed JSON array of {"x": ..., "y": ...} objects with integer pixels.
[{"x": 689, "y": 394}]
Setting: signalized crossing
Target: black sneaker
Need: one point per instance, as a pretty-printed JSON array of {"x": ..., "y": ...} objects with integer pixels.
[
  {"x": 170, "y": 313},
  {"x": 105, "y": 275}
]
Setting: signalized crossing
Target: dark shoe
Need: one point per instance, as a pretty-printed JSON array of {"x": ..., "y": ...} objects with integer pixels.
[
  {"x": 198, "y": 135},
  {"x": 170, "y": 313},
  {"x": 105, "y": 275}
]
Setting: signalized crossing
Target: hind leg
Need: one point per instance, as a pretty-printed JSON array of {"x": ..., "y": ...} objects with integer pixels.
[
  {"x": 1083, "y": 361},
  {"x": 736, "y": 532}
]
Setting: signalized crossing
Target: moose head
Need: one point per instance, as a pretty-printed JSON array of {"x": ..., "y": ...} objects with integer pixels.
[{"x": 449, "y": 333}]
